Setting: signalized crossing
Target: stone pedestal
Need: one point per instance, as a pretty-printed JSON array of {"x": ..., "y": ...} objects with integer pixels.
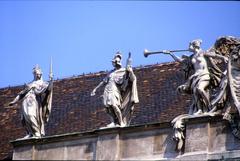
[{"x": 207, "y": 138}]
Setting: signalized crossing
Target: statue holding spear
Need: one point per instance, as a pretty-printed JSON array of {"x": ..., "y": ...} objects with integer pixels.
[
  {"x": 120, "y": 92},
  {"x": 36, "y": 100}
]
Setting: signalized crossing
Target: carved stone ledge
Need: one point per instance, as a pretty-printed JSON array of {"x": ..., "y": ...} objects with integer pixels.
[{"x": 206, "y": 138}]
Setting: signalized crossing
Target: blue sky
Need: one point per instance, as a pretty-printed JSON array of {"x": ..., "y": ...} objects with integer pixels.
[{"x": 83, "y": 36}]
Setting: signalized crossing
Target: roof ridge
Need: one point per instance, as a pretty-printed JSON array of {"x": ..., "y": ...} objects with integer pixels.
[{"x": 90, "y": 74}]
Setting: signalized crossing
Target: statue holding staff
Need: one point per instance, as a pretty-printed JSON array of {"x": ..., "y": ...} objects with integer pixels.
[
  {"x": 120, "y": 92},
  {"x": 36, "y": 101}
]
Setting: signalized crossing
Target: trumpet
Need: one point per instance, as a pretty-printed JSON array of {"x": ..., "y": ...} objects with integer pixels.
[{"x": 146, "y": 52}]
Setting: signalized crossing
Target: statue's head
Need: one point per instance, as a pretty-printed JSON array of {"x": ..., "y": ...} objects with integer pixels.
[
  {"x": 116, "y": 61},
  {"x": 195, "y": 44},
  {"x": 37, "y": 72}
]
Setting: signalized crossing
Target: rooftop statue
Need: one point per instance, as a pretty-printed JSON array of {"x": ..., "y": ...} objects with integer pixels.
[
  {"x": 212, "y": 81},
  {"x": 120, "y": 92},
  {"x": 202, "y": 74},
  {"x": 36, "y": 101}
]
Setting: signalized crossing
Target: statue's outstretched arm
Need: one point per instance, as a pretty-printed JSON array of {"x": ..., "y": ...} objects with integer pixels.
[
  {"x": 19, "y": 96},
  {"x": 14, "y": 101},
  {"x": 176, "y": 58},
  {"x": 95, "y": 89}
]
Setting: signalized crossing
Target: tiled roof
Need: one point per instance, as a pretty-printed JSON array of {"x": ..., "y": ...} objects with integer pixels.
[{"x": 74, "y": 110}]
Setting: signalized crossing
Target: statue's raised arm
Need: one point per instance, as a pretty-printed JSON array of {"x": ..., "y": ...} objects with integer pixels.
[
  {"x": 93, "y": 93},
  {"x": 120, "y": 92}
]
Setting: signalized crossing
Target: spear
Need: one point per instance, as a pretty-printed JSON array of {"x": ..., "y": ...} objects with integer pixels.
[
  {"x": 129, "y": 60},
  {"x": 51, "y": 71},
  {"x": 47, "y": 110}
]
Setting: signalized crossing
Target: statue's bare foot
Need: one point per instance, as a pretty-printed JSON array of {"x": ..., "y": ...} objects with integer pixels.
[
  {"x": 112, "y": 124},
  {"x": 25, "y": 137},
  {"x": 122, "y": 124},
  {"x": 37, "y": 135},
  {"x": 199, "y": 112},
  {"x": 218, "y": 112}
]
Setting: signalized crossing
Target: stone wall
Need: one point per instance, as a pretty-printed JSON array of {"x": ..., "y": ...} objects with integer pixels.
[{"x": 207, "y": 138}]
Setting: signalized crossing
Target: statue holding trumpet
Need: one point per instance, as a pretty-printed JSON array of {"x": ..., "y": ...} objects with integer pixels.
[
  {"x": 203, "y": 78},
  {"x": 199, "y": 78}
]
